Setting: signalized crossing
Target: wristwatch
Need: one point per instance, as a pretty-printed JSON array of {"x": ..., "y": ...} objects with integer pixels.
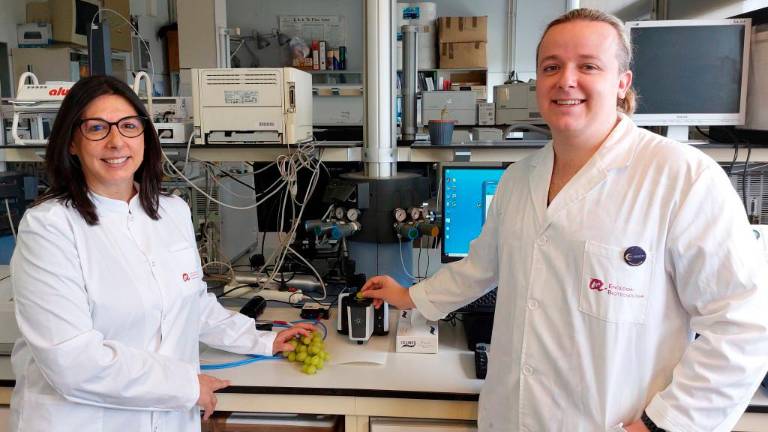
[{"x": 650, "y": 424}]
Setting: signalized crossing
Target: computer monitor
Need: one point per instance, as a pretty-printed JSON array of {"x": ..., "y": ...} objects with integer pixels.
[
  {"x": 690, "y": 72},
  {"x": 466, "y": 196}
]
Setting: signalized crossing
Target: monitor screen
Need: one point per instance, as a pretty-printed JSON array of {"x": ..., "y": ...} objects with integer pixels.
[
  {"x": 467, "y": 194},
  {"x": 690, "y": 72}
]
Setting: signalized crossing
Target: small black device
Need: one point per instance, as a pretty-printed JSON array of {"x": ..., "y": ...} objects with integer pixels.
[
  {"x": 349, "y": 301},
  {"x": 478, "y": 328},
  {"x": 313, "y": 311},
  {"x": 481, "y": 360},
  {"x": 254, "y": 308}
]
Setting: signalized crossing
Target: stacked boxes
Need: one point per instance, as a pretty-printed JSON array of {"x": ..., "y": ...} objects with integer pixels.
[{"x": 463, "y": 41}]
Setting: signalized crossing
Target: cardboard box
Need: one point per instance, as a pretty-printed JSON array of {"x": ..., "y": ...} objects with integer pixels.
[
  {"x": 415, "y": 334},
  {"x": 486, "y": 113},
  {"x": 38, "y": 12},
  {"x": 463, "y": 29},
  {"x": 462, "y": 55}
]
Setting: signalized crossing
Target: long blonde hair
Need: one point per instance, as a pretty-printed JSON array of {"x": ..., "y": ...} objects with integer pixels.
[{"x": 623, "y": 52}]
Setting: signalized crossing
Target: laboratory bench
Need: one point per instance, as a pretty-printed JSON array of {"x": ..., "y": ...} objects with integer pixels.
[
  {"x": 353, "y": 151},
  {"x": 364, "y": 381}
]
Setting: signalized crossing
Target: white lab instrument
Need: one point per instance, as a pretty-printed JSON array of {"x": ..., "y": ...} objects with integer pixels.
[
  {"x": 172, "y": 117},
  {"x": 32, "y": 35},
  {"x": 485, "y": 134},
  {"x": 516, "y": 102},
  {"x": 252, "y": 106},
  {"x": 34, "y": 101}
]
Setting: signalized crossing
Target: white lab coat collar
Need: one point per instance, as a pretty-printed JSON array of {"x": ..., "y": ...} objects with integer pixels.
[
  {"x": 611, "y": 154},
  {"x": 110, "y": 205},
  {"x": 616, "y": 152}
]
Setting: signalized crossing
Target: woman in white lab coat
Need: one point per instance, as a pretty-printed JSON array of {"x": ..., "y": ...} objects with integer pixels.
[
  {"x": 108, "y": 285},
  {"x": 611, "y": 247}
]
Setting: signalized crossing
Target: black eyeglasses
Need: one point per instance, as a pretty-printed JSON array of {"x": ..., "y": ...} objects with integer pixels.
[{"x": 96, "y": 129}]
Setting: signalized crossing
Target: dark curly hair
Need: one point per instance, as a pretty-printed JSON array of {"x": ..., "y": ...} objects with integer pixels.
[{"x": 65, "y": 173}]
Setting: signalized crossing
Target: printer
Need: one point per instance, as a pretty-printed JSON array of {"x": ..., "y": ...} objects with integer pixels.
[
  {"x": 516, "y": 103},
  {"x": 252, "y": 106}
]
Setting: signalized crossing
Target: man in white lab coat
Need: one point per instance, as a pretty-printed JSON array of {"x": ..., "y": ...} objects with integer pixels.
[
  {"x": 108, "y": 285},
  {"x": 611, "y": 247}
]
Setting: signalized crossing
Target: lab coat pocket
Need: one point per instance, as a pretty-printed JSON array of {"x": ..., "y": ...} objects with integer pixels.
[
  {"x": 184, "y": 272},
  {"x": 610, "y": 288}
]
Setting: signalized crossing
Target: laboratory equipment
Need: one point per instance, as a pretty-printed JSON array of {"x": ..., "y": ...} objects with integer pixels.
[{"x": 252, "y": 106}]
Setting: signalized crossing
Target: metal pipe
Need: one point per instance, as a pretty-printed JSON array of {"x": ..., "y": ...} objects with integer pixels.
[
  {"x": 410, "y": 64},
  {"x": 379, "y": 150}
]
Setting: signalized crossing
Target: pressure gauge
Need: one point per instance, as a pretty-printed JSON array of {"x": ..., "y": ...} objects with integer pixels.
[
  {"x": 339, "y": 212},
  {"x": 353, "y": 214},
  {"x": 400, "y": 214},
  {"x": 415, "y": 213}
]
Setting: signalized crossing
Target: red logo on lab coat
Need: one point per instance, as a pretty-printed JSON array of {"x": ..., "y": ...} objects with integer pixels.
[
  {"x": 185, "y": 277},
  {"x": 596, "y": 284}
]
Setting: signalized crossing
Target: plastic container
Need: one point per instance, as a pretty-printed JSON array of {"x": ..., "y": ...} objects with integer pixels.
[{"x": 440, "y": 132}]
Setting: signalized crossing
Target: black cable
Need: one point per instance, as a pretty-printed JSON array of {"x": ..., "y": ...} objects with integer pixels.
[
  {"x": 263, "y": 240},
  {"x": 737, "y": 141},
  {"x": 418, "y": 261},
  {"x": 744, "y": 176},
  {"x": 293, "y": 305},
  {"x": 226, "y": 174},
  {"x": 709, "y": 137},
  {"x": 328, "y": 305},
  {"x": 233, "y": 289}
]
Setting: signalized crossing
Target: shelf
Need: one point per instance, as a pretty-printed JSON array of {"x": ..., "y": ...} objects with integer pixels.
[
  {"x": 333, "y": 71},
  {"x": 351, "y": 151}
]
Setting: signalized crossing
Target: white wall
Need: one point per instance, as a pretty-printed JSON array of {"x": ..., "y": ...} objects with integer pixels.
[
  {"x": 14, "y": 12},
  {"x": 148, "y": 27},
  {"x": 531, "y": 18},
  {"x": 711, "y": 9},
  {"x": 502, "y": 56}
]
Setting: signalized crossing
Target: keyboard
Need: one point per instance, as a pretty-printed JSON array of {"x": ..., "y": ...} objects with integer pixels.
[{"x": 484, "y": 304}]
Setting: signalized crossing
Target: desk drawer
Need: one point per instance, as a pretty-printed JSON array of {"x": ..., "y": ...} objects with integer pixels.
[{"x": 251, "y": 422}]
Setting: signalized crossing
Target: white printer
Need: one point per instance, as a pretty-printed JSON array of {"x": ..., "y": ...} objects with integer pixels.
[
  {"x": 252, "y": 106},
  {"x": 516, "y": 103}
]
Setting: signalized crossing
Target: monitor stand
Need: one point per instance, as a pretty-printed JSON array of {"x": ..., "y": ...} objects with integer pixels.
[{"x": 677, "y": 133}]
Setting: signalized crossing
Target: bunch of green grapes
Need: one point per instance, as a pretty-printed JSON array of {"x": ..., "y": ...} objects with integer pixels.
[{"x": 309, "y": 351}]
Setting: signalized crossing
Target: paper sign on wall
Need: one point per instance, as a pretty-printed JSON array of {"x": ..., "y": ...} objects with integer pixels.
[{"x": 330, "y": 28}]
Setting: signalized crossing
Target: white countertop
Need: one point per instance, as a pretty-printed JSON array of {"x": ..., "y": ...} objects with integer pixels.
[
  {"x": 451, "y": 371},
  {"x": 449, "y": 374}
]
